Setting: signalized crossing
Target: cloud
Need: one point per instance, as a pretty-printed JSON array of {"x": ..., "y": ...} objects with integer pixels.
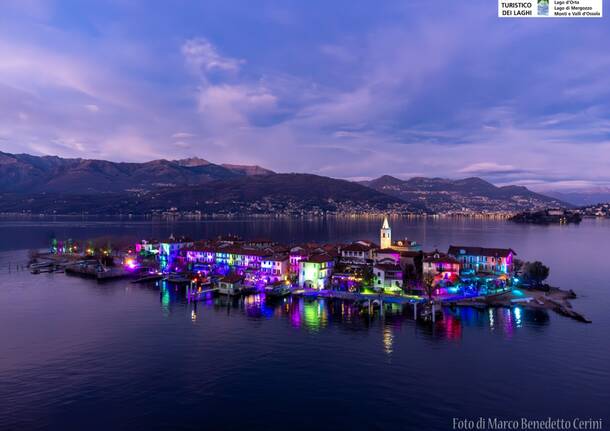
[
  {"x": 182, "y": 135},
  {"x": 202, "y": 56},
  {"x": 222, "y": 102},
  {"x": 391, "y": 89},
  {"x": 237, "y": 105},
  {"x": 484, "y": 168}
]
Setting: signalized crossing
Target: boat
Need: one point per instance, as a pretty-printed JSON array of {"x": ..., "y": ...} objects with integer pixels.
[
  {"x": 41, "y": 265},
  {"x": 230, "y": 291},
  {"x": 279, "y": 291},
  {"x": 177, "y": 279},
  {"x": 521, "y": 300}
]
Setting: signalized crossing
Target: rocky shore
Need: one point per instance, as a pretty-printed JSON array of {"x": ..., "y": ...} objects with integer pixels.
[{"x": 554, "y": 299}]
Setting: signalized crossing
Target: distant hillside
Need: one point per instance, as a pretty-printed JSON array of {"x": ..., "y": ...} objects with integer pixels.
[
  {"x": 23, "y": 173},
  {"x": 468, "y": 194},
  {"x": 53, "y": 184},
  {"x": 275, "y": 193},
  {"x": 583, "y": 198},
  {"x": 248, "y": 169}
]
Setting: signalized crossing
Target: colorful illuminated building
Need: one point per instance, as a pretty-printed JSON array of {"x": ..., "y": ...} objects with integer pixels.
[
  {"x": 315, "y": 271},
  {"x": 359, "y": 252},
  {"x": 261, "y": 263},
  {"x": 441, "y": 266},
  {"x": 296, "y": 255},
  {"x": 387, "y": 254},
  {"x": 64, "y": 247},
  {"x": 275, "y": 268},
  {"x": 387, "y": 277},
  {"x": 169, "y": 250},
  {"x": 149, "y": 247},
  {"x": 485, "y": 260}
]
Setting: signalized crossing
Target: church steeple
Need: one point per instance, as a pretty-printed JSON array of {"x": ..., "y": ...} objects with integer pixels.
[{"x": 385, "y": 234}]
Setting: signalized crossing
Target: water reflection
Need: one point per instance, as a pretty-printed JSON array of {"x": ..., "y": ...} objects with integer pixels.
[
  {"x": 388, "y": 340},
  {"x": 194, "y": 312},
  {"x": 316, "y": 315}
]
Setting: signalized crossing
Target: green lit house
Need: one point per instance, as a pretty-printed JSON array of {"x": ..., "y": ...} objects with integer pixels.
[{"x": 315, "y": 272}]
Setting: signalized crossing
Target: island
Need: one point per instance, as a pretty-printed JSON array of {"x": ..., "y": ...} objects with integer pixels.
[{"x": 393, "y": 271}]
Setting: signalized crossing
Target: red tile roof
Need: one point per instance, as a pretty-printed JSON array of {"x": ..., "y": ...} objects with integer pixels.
[
  {"x": 319, "y": 258},
  {"x": 232, "y": 278},
  {"x": 356, "y": 247},
  {"x": 455, "y": 250},
  {"x": 388, "y": 250}
]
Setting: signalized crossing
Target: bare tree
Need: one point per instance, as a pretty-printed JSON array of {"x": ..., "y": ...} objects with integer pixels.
[{"x": 428, "y": 285}]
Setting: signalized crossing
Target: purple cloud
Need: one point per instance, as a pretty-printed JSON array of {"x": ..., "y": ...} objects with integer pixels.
[{"x": 394, "y": 89}]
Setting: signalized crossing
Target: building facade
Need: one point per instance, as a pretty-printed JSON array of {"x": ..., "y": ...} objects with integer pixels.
[
  {"x": 385, "y": 234},
  {"x": 387, "y": 277},
  {"x": 315, "y": 272},
  {"x": 481, "y": 259}
]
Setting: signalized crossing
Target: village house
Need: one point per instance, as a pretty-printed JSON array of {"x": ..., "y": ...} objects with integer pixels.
[
  {"x": 387, "y": 276},
  {"x": 441, "y": 266},
  {"x": 169, "y": 250},
  {"x": 387, "y": 254},
  {"x": 297, "y": 254},
  {"x": 315, "y": 271},
  {"x": 275, "y": 268},
  {"x": 359, "y": 252},
  {"x": 481, "y": 259},
  {"x": 231, "y": 284}
]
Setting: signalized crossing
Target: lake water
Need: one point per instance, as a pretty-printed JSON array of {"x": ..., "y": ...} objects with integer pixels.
[{"x": 79, "y": 355}]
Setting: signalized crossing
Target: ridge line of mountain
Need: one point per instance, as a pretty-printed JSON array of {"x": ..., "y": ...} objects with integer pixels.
[{"x": 53, "y": 176}]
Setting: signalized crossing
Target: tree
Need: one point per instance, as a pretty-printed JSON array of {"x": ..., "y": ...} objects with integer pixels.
[
  {"x": 368, "y": 276},
  {"x": 517, "y": 266},
  {"x": 536, "y": 272},
  {"x": 428, "y": 285},
  {"x": 409, "y": 273}
]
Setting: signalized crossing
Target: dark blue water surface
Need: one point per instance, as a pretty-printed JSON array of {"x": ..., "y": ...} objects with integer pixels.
[{"x": 75, "y": 354}]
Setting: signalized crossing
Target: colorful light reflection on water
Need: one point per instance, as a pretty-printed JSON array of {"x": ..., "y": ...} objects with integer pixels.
[{"x": 318, "y": 314}]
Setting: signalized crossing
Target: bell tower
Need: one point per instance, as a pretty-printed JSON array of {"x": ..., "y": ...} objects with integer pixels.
[{"x": 385, "y": 234}]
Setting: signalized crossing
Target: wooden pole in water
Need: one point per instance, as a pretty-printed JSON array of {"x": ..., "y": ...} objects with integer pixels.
[
  {"x": 433, "y": 312},
  {"x": 415, "y": 311}
]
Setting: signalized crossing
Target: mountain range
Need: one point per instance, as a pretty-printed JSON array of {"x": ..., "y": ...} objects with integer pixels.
[
  {"x": 257, "y": 194},
  {"x": 50, "y": 184},
  {"x": 592, "y": 196},
  {"x": 23, "y": 173},
  {"x": 446, "y": 195}
]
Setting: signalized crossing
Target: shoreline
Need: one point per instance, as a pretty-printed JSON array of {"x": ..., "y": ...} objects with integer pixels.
[{"x": 556, "y": 299}]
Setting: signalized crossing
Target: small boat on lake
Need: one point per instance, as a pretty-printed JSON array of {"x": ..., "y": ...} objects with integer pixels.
[
  {"x": 279, "y": 291},
  {"x": 521, "y": 300},
  {"x": 178, "y": 279}
]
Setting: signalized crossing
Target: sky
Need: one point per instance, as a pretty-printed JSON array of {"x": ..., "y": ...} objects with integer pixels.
[{"x": 348, "y": 89}]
